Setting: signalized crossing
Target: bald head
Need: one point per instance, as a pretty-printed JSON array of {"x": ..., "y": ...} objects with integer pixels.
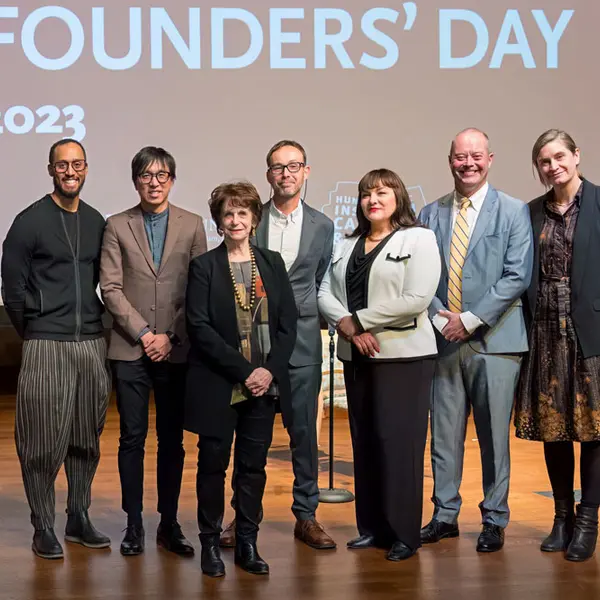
[
  {"x": 470, "y": 160},
  {"x": 471, "y": 132}
]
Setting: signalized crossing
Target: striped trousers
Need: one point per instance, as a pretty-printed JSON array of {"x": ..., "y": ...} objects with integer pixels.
[{"x": 62, "y": 399}]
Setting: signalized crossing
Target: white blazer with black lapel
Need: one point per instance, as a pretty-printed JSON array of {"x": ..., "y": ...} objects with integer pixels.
[
  {"x": 496, "y": 272},
  {"x": 402, "y": 281}
]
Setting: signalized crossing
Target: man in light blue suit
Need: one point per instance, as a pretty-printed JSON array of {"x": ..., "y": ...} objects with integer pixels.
[{"x": 486, "y": 246}]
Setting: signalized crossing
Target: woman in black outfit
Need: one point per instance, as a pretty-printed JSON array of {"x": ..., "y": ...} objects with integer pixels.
[
  {"x": 558, "y": 397},
  {"x": 241, "y": 319}
]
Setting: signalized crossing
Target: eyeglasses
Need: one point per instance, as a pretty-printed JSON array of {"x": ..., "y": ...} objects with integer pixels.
[
  {"x": 62, "y": 166},
  {"x": 161, "y": 177},
  {"x": 292, "y": 167}
]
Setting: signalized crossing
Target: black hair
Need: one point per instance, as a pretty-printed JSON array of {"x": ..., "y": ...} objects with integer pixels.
[{"x": 148, "y": 155}]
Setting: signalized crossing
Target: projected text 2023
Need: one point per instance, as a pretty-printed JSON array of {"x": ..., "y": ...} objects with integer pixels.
[
  {"x": 21, "y": 120},
  {"x": 370, "y": 40}
]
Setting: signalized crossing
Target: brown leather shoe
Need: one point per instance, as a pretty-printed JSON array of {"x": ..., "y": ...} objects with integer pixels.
[
  {"x": 227, "y": 539},
  {"x": 311, "y": 532}
]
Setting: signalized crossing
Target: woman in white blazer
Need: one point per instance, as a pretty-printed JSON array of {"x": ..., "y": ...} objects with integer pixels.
[{"x": 376, "y": 293}]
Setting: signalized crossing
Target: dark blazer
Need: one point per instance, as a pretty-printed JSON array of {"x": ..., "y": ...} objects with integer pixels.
[
  {"x": 585, "y": 285},
  {"x": 215, "y": 362},
  {"x": 314, "y": 256}
]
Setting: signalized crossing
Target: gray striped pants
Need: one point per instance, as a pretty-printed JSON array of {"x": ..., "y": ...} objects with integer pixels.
[{"x": 62, "y": 399}]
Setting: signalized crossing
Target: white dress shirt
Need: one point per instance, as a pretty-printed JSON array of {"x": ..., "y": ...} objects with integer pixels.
[
  {"x": 469, "y": 320},
  {"x": 285, "y": 232}
]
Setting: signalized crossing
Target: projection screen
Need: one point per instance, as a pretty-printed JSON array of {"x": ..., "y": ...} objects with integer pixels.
[{"x": 361, "y": 86}]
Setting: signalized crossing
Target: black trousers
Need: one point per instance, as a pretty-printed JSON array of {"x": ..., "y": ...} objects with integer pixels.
[
  {"x": 134, "y": 380},
  {"x": 306, "y": 383},
  {"x": 388, "y": 407},
  {"x": 560, "y": 461},
  {"x": 253, "y": 428}
]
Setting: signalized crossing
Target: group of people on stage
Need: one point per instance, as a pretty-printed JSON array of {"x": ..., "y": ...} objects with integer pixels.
[{"x": 479, "y": 297}]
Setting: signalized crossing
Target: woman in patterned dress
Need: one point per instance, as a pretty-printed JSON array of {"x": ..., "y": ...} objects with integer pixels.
[{"x": 558, "y": 397}]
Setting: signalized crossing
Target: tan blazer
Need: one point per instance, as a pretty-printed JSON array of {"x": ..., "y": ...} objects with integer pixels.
[{"x": 134, "y": 292}]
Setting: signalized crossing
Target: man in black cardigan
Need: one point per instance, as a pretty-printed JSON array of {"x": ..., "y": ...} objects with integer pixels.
[{"x": 50, "y": 265}]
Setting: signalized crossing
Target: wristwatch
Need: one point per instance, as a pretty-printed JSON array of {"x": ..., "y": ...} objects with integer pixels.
[{"x": 173, "y": 338}]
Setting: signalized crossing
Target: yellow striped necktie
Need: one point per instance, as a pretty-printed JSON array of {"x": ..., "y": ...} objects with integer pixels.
[{"x": 458, "y": 253}]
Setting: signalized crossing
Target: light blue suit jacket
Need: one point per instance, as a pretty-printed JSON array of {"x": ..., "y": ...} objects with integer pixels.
[{"x": 497, "y": 269}]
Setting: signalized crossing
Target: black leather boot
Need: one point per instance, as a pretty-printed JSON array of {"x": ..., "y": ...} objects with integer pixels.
[
  {"x": 248, "y": 558},
  {"x": 562, "y": 530},
  {"x": 210, "y": 556},
  {"x": 45, "y": 544},
  {"x": 170, "y": 537},
  {"x": 80, "y": 530},
  {"x": 585, "y": 534}
]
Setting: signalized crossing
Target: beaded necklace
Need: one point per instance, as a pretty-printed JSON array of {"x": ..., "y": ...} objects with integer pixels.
[{"x": 238, "y": 296}]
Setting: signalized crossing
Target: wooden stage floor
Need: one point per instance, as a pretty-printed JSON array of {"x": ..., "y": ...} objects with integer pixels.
[{"x": 451, "y": 569}]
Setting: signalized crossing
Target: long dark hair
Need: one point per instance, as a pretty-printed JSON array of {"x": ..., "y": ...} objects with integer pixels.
[{"x": 402, "y": 217}]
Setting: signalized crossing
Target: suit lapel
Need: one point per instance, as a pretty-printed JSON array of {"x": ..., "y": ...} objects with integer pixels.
[
  {"x": 307, "y": 235},
  {"x": 586, "y": 222},
  {"x": 136, "y": 223},
  {"x": 445, "y": 225},
  {"x": 265, "y": 270},
  {"x": 488, "y": 211},
  {"x": 262, "y": 231},
  {"x": 537, "y": 223},
  {"x": 221, "y": 279},
  {"x": 174, "y": 224}
]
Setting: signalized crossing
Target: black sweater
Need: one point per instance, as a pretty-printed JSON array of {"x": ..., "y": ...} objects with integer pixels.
[{"x": 50, "y": 270}]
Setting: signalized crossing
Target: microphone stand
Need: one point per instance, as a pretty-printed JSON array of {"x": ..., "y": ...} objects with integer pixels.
[{"x": 331, "y": 494}]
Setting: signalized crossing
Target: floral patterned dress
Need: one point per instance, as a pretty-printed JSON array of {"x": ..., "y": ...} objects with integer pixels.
[{"x": 558, "y": 396}]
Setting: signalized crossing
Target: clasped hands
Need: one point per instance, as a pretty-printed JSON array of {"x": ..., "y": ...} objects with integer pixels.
[
  {"x": 454, "y": 330},
  {"x": 157, "y": 346},
  {"x": 259, "y": 381},
  {"x": 365, "y": 342}
]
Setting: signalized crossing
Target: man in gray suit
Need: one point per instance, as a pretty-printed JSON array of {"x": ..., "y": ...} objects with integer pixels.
[
  {"x": 485, "y": 243},
  {"x": 304, "y": 238}
]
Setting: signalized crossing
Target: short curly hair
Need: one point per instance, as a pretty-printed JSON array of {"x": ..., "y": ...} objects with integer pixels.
[{"x": 241, "y": 194}]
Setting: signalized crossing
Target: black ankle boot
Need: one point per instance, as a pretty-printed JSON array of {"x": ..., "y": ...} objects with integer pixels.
[
  {"x": 80, "y": 530},
  {"x": 248, "y": 558},
  {"x": 45, "y": 544},
  {"x": 585, "y": 533},
  {"x": 562, "y": 530},
  {"x": 210, "y": 556}
]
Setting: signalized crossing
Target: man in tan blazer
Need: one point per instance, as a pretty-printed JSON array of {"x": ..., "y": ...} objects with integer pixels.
[{"x": 143, "y": 278}]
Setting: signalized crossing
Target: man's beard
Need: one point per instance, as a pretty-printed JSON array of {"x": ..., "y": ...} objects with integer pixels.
[
  {"x": 58, "y": 189},
  {"x": 288, "y": 193}
]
